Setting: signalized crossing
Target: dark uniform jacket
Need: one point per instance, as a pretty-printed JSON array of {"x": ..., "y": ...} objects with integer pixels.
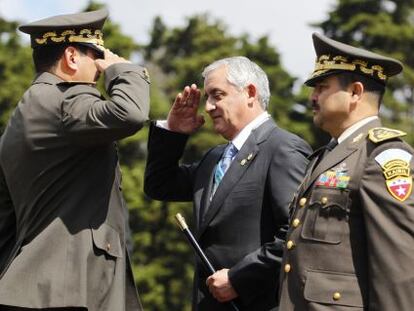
[
  {"x": 350, "y": 245},
  {"x": 243, "y": 226},
  {"x": 62, "y": 216}
]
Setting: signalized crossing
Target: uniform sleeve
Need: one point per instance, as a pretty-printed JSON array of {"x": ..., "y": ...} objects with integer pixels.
[
  {"x": 165, "y": 179},
  {"x": 388, "y": 206},
  {"x": 259, "y": 270},
  {"x": 7, "y": 222},
  {"x": 88, "y": 118}
]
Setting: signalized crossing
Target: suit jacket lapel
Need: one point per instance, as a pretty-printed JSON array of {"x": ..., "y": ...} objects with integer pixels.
[
  {"x": 203, "y": 194},
  {"x": 235, "y": 172}
]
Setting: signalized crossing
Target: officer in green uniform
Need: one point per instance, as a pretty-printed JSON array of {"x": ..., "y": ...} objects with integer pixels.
[
  {"x": 62, "y": 215},
  {"x": 350, "y": 245}
]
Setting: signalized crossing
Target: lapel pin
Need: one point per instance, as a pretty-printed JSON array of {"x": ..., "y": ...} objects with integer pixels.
[{"x": 358, "y": 138}]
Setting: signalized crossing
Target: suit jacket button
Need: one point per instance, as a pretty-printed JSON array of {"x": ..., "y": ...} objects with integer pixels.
[
  {"x": 287, "y": 268},
  {"x": 290, "y": 244},
  {"x": 295, "y": 222},
  {"x": 336, "y": 296},
  {"x": 302, "y": 202},
  {"x": 108, "y": 246},
  {"x": 324, "y": 200}
]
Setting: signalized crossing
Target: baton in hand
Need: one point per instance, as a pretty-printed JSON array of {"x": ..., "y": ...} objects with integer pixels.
[{"x": 184, "y": 228}]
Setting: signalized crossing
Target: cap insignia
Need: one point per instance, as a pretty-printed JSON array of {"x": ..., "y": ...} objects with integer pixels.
[
  {"x": 339, "y": 62},
  {"x": 70, "y": 35}
]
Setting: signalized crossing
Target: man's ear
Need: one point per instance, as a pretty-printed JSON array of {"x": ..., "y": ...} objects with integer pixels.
[
  {"x": 251, "y": 91},
  {"x": 357, "y": 90},
  {"x": 70, "y": 58}
]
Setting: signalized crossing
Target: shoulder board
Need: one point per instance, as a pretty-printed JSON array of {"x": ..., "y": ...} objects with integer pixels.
[{"x": 379, "y": 134}]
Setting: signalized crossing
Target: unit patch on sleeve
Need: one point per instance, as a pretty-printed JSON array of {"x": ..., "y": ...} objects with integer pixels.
[{"x": 395, "y": 164}]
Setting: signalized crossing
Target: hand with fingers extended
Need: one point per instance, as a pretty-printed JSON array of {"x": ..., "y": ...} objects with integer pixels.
[
  {"x": 183, "y": 116},
  {"x": 109, "y": 59}
]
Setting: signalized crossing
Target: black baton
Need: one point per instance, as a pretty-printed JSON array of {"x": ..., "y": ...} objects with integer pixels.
[{"x": 184, "y": 228}]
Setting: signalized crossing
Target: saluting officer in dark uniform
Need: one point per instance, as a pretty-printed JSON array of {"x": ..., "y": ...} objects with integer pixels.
[
  {"x": 62, "y": 216},
  {"x": 350, "y": 245}
]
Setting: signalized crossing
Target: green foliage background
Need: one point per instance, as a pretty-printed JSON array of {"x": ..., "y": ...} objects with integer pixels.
[{"x": 162, "y": 260}]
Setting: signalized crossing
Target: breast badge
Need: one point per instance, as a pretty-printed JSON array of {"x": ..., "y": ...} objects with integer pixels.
[
  {"x": 395, "y": 164},
  {"x": 335, "y": 178}
]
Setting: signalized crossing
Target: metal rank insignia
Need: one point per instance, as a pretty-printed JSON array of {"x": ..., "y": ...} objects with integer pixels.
[
  {"x": 335, "y": 178},
  {"x": 145, "y": 75},
  {"x": 358, "y": 137},
  {"x": 395, "y": 164}
]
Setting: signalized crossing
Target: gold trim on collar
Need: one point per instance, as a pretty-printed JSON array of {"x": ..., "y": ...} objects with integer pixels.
[{"x": 328, "y": 62}]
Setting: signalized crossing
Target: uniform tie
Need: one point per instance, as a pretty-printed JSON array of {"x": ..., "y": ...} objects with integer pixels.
[
  {"x": 326, "y": 149},
  {"x": 224, "y": 163},
  {"x": 331, "y": 145}
]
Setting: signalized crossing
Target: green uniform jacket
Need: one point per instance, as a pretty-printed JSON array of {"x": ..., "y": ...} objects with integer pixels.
[
  {"x": 350, "y": 245},
  {"x": 62, "y": 215}
]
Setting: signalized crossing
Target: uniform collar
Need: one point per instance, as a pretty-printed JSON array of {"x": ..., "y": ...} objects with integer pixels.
[
  {"x": 353, "y": 128},
  {"x": 48, "y": 78}
]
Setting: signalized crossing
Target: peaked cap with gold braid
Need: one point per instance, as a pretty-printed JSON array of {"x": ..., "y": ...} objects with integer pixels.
[
  {"x": 83, "y": 28},
  {"x": 333, "y": 57}
]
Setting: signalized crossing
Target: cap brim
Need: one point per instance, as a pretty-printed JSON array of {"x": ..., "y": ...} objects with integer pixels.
[
  {"x": 98, "y": 49},
  {"x": 312, "y": 81}
]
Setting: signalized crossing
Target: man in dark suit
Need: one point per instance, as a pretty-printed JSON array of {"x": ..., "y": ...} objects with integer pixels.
[
  {"x": 350, "y": 245},
  {"x": 62, "y": 216},
  {"x": 240, "y": 191}
]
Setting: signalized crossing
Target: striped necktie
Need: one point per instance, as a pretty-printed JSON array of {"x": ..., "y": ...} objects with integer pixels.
[{"x": 224, "y": 163}]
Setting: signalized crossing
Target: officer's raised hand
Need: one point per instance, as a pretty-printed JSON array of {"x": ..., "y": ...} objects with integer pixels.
[{"x": 109, "y": 59}]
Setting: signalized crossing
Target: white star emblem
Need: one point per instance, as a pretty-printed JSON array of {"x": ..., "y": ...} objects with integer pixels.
[{"x": 401, "y": 191}]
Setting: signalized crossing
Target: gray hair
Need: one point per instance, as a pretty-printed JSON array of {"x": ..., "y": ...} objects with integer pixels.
[{"x": 241, "y": 72}]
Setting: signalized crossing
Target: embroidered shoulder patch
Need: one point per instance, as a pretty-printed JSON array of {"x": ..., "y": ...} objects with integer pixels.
[
  {"x": 379, "y": 134},
  {"x": 395, "y": 164}
]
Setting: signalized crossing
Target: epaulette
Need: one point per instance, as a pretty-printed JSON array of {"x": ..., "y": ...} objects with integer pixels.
[{"x": 379, "y": 134}]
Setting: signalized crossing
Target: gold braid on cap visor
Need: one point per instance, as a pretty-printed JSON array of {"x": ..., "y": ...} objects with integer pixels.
[
  {"x": 326, "y": 63},
  {"x": 83, "y": 35}
]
